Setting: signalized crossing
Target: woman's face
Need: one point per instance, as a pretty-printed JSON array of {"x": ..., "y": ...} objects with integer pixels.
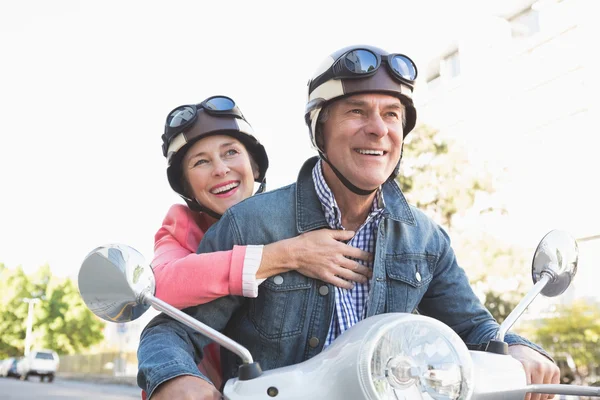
[{"x": 219, "y": 172}]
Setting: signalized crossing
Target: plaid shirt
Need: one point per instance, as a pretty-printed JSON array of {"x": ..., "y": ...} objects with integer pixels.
[{"x": 350, "y": 305}]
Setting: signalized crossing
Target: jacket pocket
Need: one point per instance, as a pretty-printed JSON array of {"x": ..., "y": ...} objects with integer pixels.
[
  {"x": 408, "y": 277},
  {"x": 280, "y": 308}
]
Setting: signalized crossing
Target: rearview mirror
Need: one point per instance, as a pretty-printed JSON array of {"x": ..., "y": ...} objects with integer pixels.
[
  {"x": 556, "y": 255},
  {"x": 112, "y": 281},
  {"x": 554, "y": 267},
  {"x": 117, "y": 285}
]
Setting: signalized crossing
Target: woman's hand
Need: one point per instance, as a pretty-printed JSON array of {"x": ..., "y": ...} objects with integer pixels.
[
  {"x": 319, "y": 254},
  {"x": 186, "y": 387}
]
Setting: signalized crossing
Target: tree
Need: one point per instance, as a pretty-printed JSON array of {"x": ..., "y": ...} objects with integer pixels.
[
  {"x": 62, "y": 322},
  {"x": 437, "y": 176},
  {"x": 499, "y": 272},
  {"x": 572, "y": 329},
  {"x": 500, "y": 304},
  {"x": 14, "y": 286}
]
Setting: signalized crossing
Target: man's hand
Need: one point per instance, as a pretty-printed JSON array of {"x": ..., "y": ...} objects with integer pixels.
[
  {"x": 538, "y": 369},
  {"x": 186, "y": 387}
]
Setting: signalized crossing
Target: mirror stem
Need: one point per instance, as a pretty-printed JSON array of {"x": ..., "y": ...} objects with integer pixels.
[
  {"x": 546, "y": 276},
  {"x": 206, "y": 330}
]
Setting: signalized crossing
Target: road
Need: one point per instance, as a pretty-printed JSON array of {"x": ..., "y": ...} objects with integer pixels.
[{"x": 13, "y": 389}]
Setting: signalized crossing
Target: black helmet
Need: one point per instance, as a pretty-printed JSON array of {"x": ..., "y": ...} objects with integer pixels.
[{"x": 217, "y": 115}]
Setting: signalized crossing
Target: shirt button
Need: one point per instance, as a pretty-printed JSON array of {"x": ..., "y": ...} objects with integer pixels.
[
  {"x": 278, "y": 280},
  {"x": 313, "y": 342},
  {"x": 418, "y": 276},
  {"x": 323, "y": 290}
]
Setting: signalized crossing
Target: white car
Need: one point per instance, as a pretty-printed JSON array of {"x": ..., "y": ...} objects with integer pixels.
[
  {"x": 8, "y": 367},
  {"x": 42, "y": 363}
]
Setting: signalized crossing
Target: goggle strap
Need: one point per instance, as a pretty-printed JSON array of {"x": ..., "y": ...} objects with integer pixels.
[{"x": 346, "y": 182}]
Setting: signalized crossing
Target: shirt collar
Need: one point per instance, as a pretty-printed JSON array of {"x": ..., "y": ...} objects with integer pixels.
[
  {"x": 309, "y": 211},
  {"x": 330, "y": 207}
]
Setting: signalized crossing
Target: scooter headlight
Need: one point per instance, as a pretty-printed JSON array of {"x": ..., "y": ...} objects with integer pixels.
[{"x": 415, "y": 357}]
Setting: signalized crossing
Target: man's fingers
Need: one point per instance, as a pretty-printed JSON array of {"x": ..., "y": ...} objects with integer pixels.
[
  {"x": 551, "y": 376},
  {"x": 528, "y": 375},
  {"x": 535, "y": 378},
  {"x": 544, "y": 374},
  {"x": 538, "y": 373}
]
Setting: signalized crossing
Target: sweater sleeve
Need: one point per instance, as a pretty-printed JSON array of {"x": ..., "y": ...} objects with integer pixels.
[
  {"x": 184, "y": 278},
  {"x": 251, "y": 264}
]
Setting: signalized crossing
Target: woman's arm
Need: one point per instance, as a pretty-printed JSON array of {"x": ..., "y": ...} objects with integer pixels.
[
  {"x": 319, "y": 254},
  {"x": 191, "y": 279},
  {"x": 184, "y": 278}
]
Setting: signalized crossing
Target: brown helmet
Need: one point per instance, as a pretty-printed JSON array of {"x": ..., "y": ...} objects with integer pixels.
[
  {"x": 354, "y": 70},
  {"x": 217, "y": 115}
]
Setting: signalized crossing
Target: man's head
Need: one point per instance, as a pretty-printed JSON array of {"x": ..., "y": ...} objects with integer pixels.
[
  {"x": 362, "y": 136},
  {"x": 368, "y": 73}
]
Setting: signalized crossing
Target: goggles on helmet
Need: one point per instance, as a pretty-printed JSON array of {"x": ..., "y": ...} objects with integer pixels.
[
  {"x": 355, "y": 70},
  {"x": 183, "y": 118},
  {"x": 360, "y": 63}
]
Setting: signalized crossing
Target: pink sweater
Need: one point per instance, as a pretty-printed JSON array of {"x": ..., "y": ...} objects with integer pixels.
[{"x": 184, "y": 278}]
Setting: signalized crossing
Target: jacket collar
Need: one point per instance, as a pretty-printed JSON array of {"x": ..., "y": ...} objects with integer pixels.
[{"x": 310, "y": 213}]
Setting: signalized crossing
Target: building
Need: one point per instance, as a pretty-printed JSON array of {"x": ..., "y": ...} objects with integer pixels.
[{"x": 518, "y": 88}]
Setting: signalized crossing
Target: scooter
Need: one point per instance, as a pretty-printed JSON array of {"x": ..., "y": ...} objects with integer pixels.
[{"x": 387, "y": 356}]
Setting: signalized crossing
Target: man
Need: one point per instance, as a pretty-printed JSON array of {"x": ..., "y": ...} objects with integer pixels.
[{"x": 359, "y": 111}]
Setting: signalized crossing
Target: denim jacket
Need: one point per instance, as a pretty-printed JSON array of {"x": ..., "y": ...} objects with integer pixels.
[{"x": 415, "y": 269}]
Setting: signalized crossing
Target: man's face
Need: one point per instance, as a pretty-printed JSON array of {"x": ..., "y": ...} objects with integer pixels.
[{"x": 363, "y": 138}]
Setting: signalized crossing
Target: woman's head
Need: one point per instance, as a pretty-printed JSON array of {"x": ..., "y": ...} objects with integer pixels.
[
  {"x": 218, "y": 172},
  {"x": 210, "y": 144}
]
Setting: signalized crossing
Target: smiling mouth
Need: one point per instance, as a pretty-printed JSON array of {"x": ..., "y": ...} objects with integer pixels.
[
  {"x": 368, "y": 152},
  {"x": 225, "y": 188}
]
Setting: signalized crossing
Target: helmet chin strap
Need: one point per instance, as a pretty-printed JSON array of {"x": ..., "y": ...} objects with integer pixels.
[
  {"x": 353, "y": 188},
  {"x": 262, "y": 187},
  {"x": 208, "y": 210},
  {"x": 346, "y": 182}
]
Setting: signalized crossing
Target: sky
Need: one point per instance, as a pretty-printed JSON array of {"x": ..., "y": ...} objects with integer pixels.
[{"x": 85, "y": 88}]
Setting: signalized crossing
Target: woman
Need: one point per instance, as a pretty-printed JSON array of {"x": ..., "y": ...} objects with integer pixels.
[{"x": 213, "y": 161}]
